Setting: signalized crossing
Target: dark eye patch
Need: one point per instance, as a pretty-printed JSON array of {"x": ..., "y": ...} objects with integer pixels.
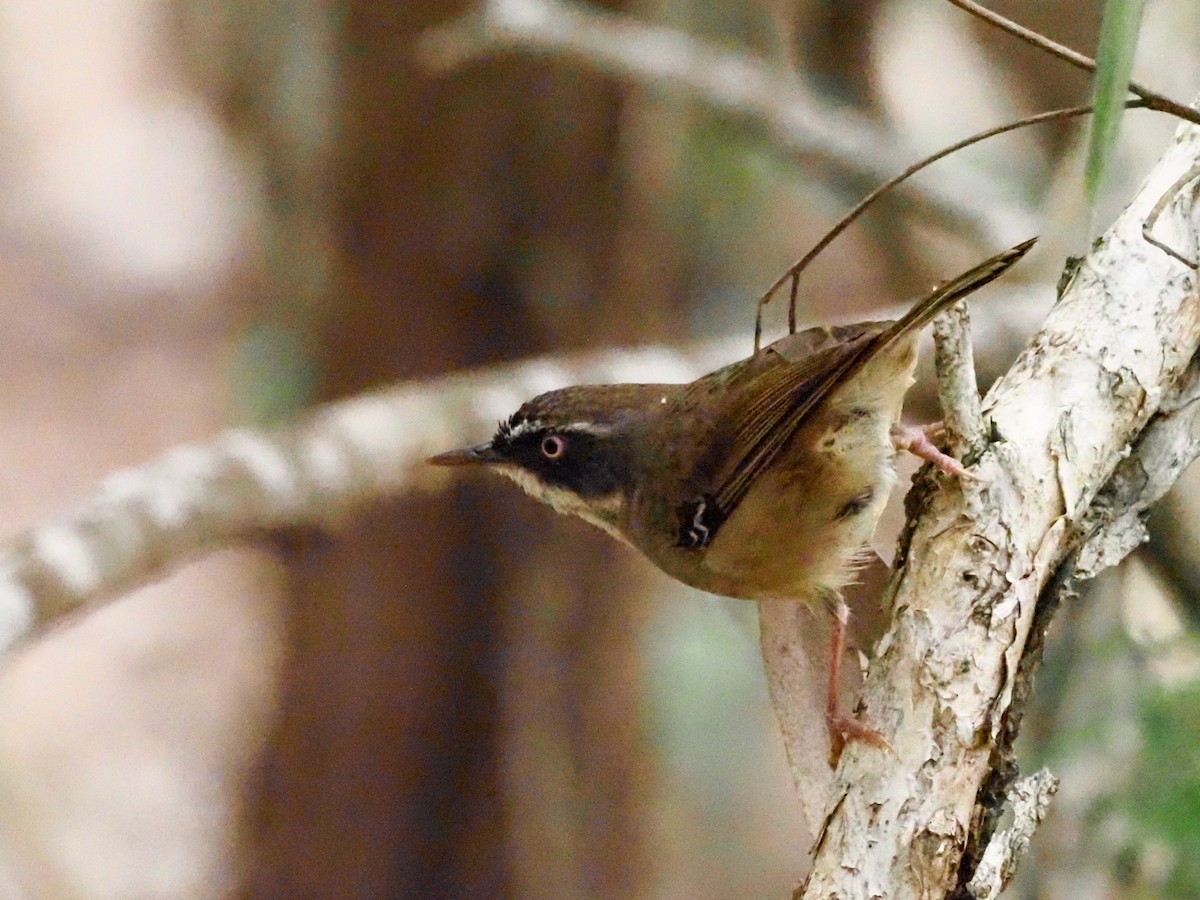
[{"x": 588, "y": 464}]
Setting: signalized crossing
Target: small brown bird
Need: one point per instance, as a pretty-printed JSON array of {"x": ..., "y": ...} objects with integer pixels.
[{"x": 761, "y": 480}]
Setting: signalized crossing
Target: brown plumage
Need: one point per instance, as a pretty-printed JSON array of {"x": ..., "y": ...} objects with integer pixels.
[{"x": 761, "y": 480}]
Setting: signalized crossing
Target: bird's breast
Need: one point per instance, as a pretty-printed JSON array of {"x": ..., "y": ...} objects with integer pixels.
[{"x": 801, "y": 527}]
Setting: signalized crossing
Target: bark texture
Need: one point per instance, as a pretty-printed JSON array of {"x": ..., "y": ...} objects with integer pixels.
[{"x": 977, "y": 557}]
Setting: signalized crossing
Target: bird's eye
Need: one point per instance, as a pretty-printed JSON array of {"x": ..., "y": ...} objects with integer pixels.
[{"x": 553, "y": 446}]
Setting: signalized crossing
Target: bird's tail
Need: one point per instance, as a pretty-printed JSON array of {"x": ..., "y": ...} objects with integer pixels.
[{"x": 946, "y": 295}]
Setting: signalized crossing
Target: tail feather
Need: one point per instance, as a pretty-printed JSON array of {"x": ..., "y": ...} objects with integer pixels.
[{"x": 954, "y": 290}]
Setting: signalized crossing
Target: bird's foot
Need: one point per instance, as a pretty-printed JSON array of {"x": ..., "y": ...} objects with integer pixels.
[
  {"x": 921, "y": 441},
  {"x": 843, "y": 728}
]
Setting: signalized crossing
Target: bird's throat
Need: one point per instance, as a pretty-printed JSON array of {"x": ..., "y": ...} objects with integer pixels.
[{"x": 605, "y": 511}]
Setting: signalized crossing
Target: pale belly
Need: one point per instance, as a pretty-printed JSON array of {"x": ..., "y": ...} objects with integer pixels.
[{"x": 800, "y": 530}]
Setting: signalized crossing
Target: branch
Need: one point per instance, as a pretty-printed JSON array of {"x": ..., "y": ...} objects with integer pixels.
[
  {"x": 1029, "y": 799},
  {"x": 1112, "y": 527},
  {"x": 1115, "y": 524},
  {"x": 732, "y": 82},
  {"x": 973, "y": 567},
  {"x": 1153, "y": 100},
  {"x": 144, "y": 521},
  {"x": 958, "y": 391}
]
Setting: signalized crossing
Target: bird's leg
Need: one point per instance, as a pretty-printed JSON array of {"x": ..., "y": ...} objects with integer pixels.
[
  {"x": 919, "y": 441},
  {"x": 843, "y": 727}
]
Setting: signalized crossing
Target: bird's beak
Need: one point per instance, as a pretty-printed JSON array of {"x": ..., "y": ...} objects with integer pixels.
[{"x": 470, "y": 456}]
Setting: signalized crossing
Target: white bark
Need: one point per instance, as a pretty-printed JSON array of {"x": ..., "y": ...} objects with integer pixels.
[
  {"x": 979, "y": 554},
  {"x": 1029, "y": 799}
]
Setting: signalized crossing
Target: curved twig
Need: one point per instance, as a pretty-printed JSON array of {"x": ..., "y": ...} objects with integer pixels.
[{"x": 859, "y": 208}]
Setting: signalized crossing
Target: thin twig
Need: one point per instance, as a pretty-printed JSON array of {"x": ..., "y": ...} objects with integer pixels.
[
  {"x": 1153, "y": 99},
  {"x": 1163, "y": 202},
  {"x": 859, "y": 208}
]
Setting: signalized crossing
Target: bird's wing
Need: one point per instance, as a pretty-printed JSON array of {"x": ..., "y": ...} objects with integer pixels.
[
  {"x": 789, "y": 379},
  {"x": 783, "y": 396},
  {"x": 768, "y": 397}
]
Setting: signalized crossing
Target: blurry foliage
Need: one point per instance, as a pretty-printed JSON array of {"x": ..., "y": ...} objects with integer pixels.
[
  {"x": 726, "y": 177},
  {"x": 1116, "y": 715},
  {"x": 273, "y": 376},
  {"x": 739, "y": 26},
  {"x": 708, "y": 717},
  {"x": 1164, "y": 800},
  {"x": 703, "y": 668}
]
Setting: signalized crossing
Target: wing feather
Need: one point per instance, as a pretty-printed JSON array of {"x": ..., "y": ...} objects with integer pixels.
[
  {"x": 793, "y": 391},
  {"x": 782, "y": 385}
]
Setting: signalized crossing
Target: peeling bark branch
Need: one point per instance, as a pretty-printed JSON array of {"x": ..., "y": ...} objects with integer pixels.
[
  {"x": 730, "y": 82},
  {"x": 1115, "y": 525},
  {"x": 973, "y": 565},
  {"x": 1029, "y": 799},
  {"x": 1112, "y": 528}
]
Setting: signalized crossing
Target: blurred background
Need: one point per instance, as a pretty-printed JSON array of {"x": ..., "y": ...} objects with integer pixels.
[{"x": 217, "y": 212}]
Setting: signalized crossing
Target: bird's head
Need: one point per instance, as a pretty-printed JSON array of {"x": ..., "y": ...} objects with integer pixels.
[{"x": 574, "y": 448}]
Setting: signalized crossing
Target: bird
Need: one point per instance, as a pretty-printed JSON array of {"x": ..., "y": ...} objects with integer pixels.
[{"x": 762, "y": 480}]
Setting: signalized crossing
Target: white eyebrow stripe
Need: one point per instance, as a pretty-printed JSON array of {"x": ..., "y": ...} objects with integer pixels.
[
  {"x": 589, "y": 428},
  {"x": 530, "y": 425},
  {"x": 526, "y": 425}
]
